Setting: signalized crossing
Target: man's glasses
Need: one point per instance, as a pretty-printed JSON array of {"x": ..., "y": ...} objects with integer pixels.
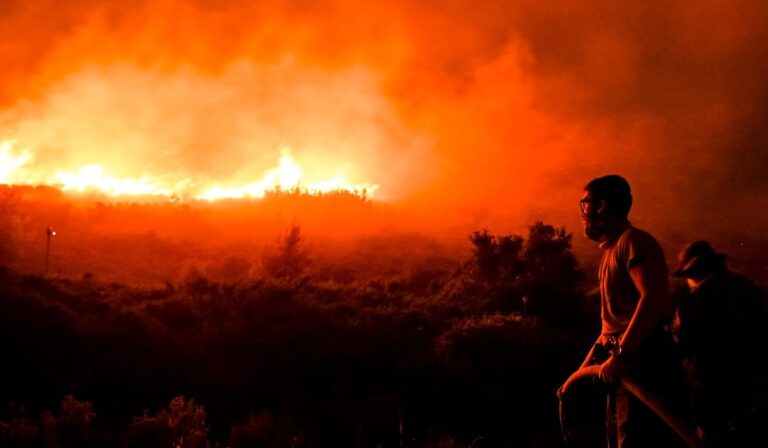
[{"x": 583, "y": 205}]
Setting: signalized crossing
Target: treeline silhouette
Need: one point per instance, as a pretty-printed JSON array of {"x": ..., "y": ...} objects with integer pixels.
[{"x": 303, "y": 356}]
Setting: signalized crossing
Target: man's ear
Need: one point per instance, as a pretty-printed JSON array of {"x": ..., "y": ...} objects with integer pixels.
[{"x": 602, "y": 207}]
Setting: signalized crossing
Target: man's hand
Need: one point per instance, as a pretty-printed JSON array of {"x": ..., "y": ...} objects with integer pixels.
[{"x": 612, "y": 370}]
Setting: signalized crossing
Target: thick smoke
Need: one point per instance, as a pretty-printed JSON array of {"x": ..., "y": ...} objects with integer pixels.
[
  {"x": 183, "y": 128},
  {"x": 488, "y": 108}
]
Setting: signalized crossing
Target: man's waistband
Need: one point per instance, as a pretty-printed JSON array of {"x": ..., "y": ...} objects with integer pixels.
[
  {"x": 659, "y": 335},
  {"x": 609, "y": 341}
]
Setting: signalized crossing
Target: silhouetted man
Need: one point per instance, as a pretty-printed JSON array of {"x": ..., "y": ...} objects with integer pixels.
[
  {"x": 635, "y": 306},
  {"x": 722, "y": 331}
]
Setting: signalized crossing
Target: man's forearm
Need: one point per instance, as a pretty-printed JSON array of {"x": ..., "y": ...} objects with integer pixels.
[{"x": 648, "y": 314}]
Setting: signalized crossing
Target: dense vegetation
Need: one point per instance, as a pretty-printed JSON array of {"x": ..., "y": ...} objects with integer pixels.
[{"x": 302, "y": 356}]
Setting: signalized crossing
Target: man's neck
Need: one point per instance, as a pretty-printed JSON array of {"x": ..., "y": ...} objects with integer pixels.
[{"x": 615, "y": 228}]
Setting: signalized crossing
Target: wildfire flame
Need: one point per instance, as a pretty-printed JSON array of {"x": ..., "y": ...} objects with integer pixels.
[
  {"x": 10, "y": 163},
  {"x": 93, "y": 177},
  {"x": 15, "y": 169}
]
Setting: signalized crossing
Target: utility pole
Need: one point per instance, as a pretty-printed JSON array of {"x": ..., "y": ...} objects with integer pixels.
[{"x": 49, "y": 232}]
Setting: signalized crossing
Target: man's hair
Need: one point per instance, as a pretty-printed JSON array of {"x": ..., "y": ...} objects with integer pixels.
[{"x": 615, "y": 191}]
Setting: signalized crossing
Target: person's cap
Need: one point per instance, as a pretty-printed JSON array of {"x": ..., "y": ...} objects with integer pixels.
[{"x": 697, "y": 256}]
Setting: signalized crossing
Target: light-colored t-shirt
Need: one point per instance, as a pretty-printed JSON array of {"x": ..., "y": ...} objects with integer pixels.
[{"x": 618, "y": 294}]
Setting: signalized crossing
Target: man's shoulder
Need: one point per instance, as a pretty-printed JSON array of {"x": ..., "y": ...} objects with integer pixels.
[
  {"x": 740, "y": 286},
  {"x": 636, "y": 236},
  {"x": 635, "y": 245}
]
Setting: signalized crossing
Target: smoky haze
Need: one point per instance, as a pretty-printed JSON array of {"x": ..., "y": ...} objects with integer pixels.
[{"x": 486, "y": 112}]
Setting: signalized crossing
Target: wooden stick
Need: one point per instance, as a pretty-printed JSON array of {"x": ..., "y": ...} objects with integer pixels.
[
  {"x": 673, "y": 421},
  {"x": 654, "y": 404}
]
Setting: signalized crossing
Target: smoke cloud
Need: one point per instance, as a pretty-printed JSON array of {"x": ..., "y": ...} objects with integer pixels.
[{"x": 487, "y": 109}]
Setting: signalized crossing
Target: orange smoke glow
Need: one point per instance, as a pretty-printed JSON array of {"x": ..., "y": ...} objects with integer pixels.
[
  {"x": 131, "y": 130},
  {"x": 464, "y": 110}
]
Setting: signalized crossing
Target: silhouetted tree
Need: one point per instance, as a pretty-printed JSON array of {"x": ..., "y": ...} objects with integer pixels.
[
  {"x": 496, "y": 258},
  {"x": 497, "y": 265},
  {"x": 290, "y": 258},
  {"x": 552, "y": 280},
  {"x": 539, "y": 275}
]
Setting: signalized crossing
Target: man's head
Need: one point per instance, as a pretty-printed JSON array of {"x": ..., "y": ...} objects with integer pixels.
[
  {"x": 605, "y": 204},
  {"x": 697, "y": 261}
]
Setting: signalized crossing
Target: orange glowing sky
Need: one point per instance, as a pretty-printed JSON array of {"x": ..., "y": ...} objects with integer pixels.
[{"x": 483, "y": 107}]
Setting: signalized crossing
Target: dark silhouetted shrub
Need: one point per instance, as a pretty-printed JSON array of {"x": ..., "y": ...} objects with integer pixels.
[{"x": 289, "y": 259}]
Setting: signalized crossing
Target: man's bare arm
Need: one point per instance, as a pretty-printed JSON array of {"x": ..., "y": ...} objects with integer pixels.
[{"x": 651, "y": 281}]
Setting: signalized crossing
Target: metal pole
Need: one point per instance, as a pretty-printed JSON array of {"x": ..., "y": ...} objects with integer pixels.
[{"x": 49, "y": 232}]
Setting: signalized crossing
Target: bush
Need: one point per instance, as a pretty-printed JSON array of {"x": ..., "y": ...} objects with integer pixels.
[
  {"x": 507, "y": 273},
  {"x": 289, "y": 259},
  {"x": 420, "y": 357},
  {"x": 181, "y": 425}
]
